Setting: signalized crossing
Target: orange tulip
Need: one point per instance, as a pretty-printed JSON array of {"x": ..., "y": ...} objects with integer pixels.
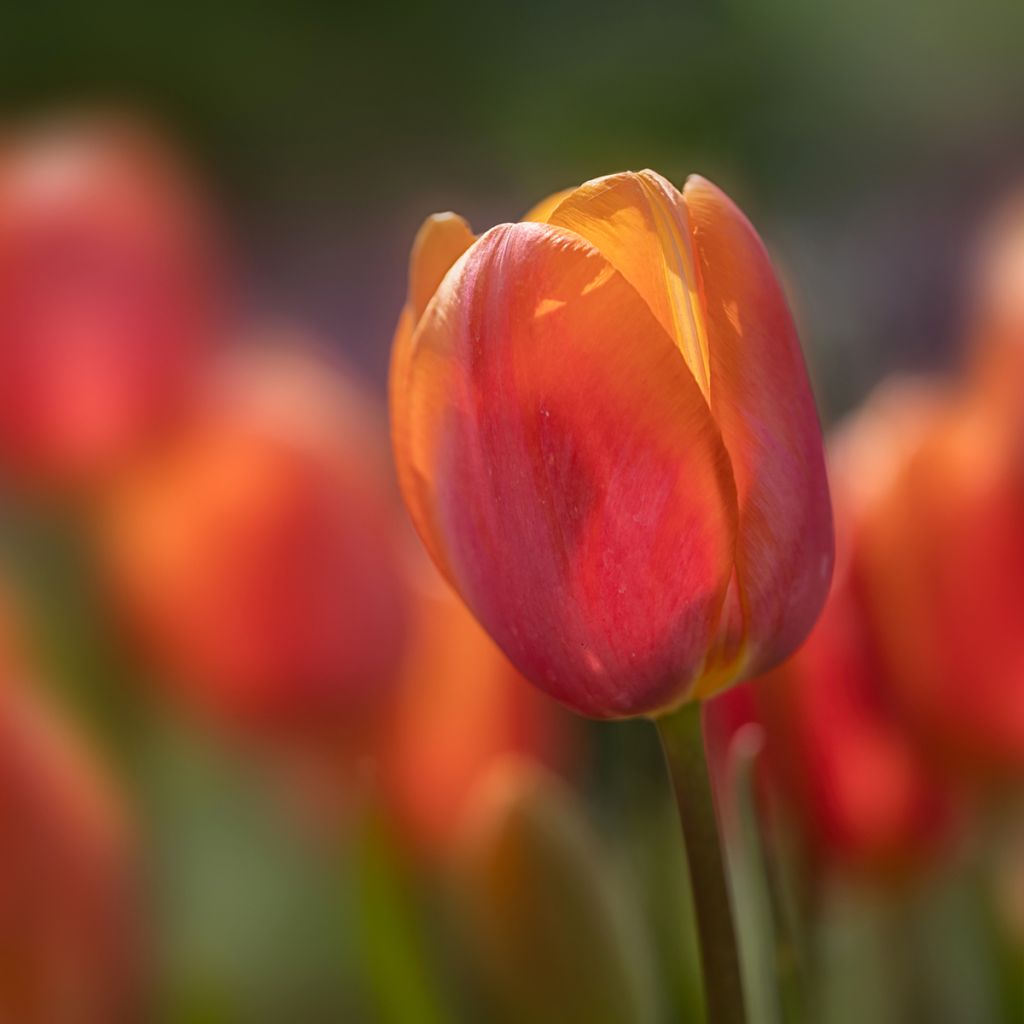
[
  {"x": 256, "y": 556},
  {"x": 460, "y": 709},
  {"x": 943, "y": 572},
  {"x": 107, "y": 295},
  {"x": 69, "y": 928},
  {"x": 996, "y": 352},
  {"x": 606, "y": 439}
]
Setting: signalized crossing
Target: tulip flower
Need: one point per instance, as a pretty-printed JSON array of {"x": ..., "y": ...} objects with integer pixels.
[
  {"x": 459, "y": 709},
  {"x": 944, "y": 578},
  {"x": 606, "y": 439},
  {"x": 69, "y": 930},
  {"x": 107, "y": 295},
  {"x": 255, "y": 554},
  {"x": 996, "y": 301}
]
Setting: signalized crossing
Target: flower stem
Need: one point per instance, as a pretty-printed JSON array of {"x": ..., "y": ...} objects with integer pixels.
[{"x": 682, "y": 739}]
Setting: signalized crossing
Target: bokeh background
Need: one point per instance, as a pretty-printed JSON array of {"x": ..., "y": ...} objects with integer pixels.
[
  {"x": 864, "y": 139},
  {"x": 867, "y": 141}
]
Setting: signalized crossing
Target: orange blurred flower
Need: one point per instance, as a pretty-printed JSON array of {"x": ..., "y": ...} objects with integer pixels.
[
  {"x": 107, "y": 294},
  {"x": 996, "y": 328},
  {"x": 837, "y": 750},
  {"x": 255, "y": 554},
  {"x": 606, "y": 438},
  {"x": 69, "y": 924},
  {"x": 943, "y": 575},
  {"x": 460, "y": 709}
]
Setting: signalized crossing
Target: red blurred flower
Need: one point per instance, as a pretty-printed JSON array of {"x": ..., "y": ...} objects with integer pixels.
[
  {"x": 69, "y": 925},
  {"x": 107, "y": 294},
  {"x": 606, "y": 438},
  {"x": 255, "y": 553}
]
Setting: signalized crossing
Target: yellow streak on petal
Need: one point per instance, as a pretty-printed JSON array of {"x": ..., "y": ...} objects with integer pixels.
[
  {"x": 546, "y": 306},
  {"x": 680, "y": 278}
]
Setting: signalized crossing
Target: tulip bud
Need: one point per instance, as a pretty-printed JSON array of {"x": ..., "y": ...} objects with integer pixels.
[
  {"x": 107, "y": 295},
  {"x": 460, "y": 708},
  {"x": 541, "y": 908},
  {"x": 606, "y": 439},
  {"x": 69, "y": 928},
  {"x": 255, "y": 555}
]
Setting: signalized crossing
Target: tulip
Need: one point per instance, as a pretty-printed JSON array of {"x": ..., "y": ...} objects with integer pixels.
[
  {"x": 107, "y": 295},
  {"x": 255, "y": 557},
  {"x": 996, "y": 304},
  {"x": 606, "y": 439},
  {"x": 69, "y": 928},
  {"x": 460, "y": 708},
  {"x": 943, "y": 571}
]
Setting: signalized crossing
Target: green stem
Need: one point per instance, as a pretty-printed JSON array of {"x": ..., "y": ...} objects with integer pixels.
[{"x": 682, "y": 739}]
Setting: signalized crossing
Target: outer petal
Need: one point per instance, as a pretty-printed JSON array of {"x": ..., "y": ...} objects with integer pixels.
[
  {"x": 563, "y": 469},
  {"x": 762, "y": 402}
]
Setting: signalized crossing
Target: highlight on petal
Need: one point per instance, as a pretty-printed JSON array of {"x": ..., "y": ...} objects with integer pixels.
[
  {"x": 563, "y": 469},
  {"x": 762, "y": 402}
]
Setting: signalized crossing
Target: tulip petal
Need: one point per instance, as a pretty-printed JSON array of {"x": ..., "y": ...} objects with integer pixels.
[
  {"x": 440, "y": 241},
  {"x": 551, "y": 434},
  {"x": 762, "y": 402},
  {"x": 640, "y": 224}
]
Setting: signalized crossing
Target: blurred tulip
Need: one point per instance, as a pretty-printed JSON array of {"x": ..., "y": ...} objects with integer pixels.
[
  {"x": 461, "y": 707},
  {"x": 997, "y": 314},
  {"x": 606, "y": 438},
  {"x": 543, "y": 914},
  {"x": 69, "y": 926},
  {"x": 943, "y": 574},
  {"x": 107, "y": 294},
  {"x": 255, "y": 554},
  {"x": 837, "y": 751}
]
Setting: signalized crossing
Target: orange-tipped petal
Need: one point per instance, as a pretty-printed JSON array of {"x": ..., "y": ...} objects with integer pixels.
[
  {"x": 440, "y": 241},
  {"x": 562, "y": 467},
  {"x": 762, "y": 402}
]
